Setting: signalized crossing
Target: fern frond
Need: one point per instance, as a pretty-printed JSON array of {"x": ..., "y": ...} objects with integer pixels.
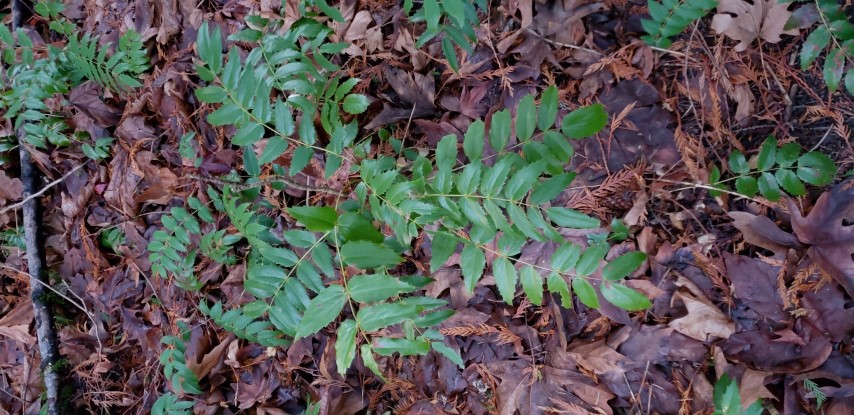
[
  {"x": 671, "y": 17},
  {"x": 820, "y": 396},
  {"x": 168, "y": 404},
  {"x": 244, "y": 325},
  {"x": 175, "y": 367},
  {"x": 118, "y": 72},
  {"x": 172, "y": 251}
]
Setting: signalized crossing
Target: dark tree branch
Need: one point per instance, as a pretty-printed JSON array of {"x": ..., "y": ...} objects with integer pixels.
[{"x": 45, "y": 327}]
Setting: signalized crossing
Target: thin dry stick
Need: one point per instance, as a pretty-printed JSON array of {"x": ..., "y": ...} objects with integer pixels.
[
  {"x": 818, "y": 144},
  {"x": 237, "y": 186},
  {"x": 40, "y": 192},
  {"x": 563, "y": 45},
  {"x": 80, "y": 306}
]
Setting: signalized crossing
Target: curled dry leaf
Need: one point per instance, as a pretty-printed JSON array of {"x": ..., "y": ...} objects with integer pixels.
[
  {"x": 704, "y": 321},
  {"x": 599, "y": 358},
  {"x": 764, "y": 233},
  {"x": 763, "y": 19}
]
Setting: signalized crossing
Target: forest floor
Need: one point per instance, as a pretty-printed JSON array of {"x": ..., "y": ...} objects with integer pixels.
[{"x": 756, "y": 289}]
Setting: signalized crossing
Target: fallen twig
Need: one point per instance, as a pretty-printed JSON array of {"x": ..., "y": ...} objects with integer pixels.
[
  {"x": 238, "y": 186},
  {"x": 52, "y": 372},
  {"x": 40, "y": 192},
  {"x": 45, "y": 328}
]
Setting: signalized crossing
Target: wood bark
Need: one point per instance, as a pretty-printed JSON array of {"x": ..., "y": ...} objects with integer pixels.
[{"x": 45, "y": 325}]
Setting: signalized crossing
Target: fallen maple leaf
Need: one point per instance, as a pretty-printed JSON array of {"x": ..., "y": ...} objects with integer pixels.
[{"x": 763, "y": 19}]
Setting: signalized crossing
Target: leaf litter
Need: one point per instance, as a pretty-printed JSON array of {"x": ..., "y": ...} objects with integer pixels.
[{"x": 759, "y": 291}]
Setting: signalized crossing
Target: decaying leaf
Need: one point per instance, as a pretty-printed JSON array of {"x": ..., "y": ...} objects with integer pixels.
[
  {"x": 764, "y": 233},
  {"x": 15, "y": 325},
  {"x": 832, "y": 242},
  {"x": 745, "y": 22}
]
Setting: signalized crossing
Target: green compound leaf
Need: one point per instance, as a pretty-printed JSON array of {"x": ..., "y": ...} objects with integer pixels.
[
  {"x": 556, "y": 284},
  {"x": 726, "y": 396},
  {"x": 585, "y": 121},
  {"x": 623, "y": 265},
  {"x": 815, "y": 43},
  {"x": 372, "y": 288},
  {"x": 321, "y": 311},
  {"x": 505, "y": 278},
  {"x": 849, "y": 81},
  {"x": 738, "y": 163},
  {"x": 387, "y": 346},
  {"x": 590, "y": 260},
  {"x": 375, "y": 317},
  {"x": 585, "y": 292},
  {"x": 834, "y": 67},
  {"x": 624, "y": 297},
  {"x": 551, "y": 188},
  {"x": 526, "y": 118},
  {"x": 474, "y": 140},
  {"x": 451, "y": 354},
  {"x": 767, "y": 154},
  {"x": 789, "y": 181},
  {"x": 248, "y": 134},
  {"x": 355, "y": 103},
  {"x": 473, "y": 263},
  {"x": 788, "y": 154},
  {"x": 565, "y": 257},
  {"x": 746, "y": 185},
  {"x": 570, "y": 218},
  {"x": 211, "y": 94},
  {"x": 532, "y": 284},
  {"x": 369, "y": 361},
  {"x": 444, "y": 246},
  {"x": 714, "y": 181},
  {"x": 816, "y": 168},
  {"x": 499, "y": 130},
  {"x": 450, "y": 54},
  {"x": 345, "y": 346},
  {"x": 367, "y": 255},
  {"x": 768, "y": 186},
  {"x": 315, "y": 218},
  {"x": 547, "y": 112},
  {"x": 357, "y": 227}
]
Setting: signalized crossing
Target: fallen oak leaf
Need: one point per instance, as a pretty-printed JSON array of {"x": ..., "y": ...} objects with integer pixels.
[
  {"x": 704, "y": 321},
  {"x": 832, "y": 242},
  {"x": 745, "y": 22}
]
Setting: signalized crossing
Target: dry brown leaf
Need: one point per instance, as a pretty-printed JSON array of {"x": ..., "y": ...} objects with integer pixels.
[
  {"x": 703, "y": 321},
  {"x": 209, "y": 360},
  {"x": 11, "y": 188},
  {"x": 763, "y": 232},
  {"x": 600, "y": 359},
  {"x": 359, "y": 27},
  {"x": 763, "y": 19},
  {"x": 752, "y": 387},
  {"x": 16, "y": 324}
]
